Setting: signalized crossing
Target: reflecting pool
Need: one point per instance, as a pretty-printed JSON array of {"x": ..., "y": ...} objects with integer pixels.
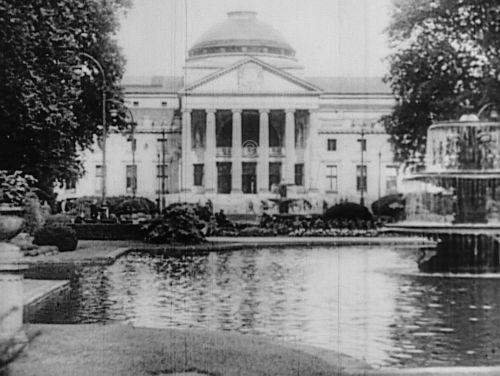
[{"x": 367, "y": 302}]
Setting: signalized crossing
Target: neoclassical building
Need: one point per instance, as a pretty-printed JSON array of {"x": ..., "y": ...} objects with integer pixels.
[{"x": 244, "y": 119}]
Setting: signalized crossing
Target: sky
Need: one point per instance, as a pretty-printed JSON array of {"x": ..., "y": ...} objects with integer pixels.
[{"x": 331, "y": 37}]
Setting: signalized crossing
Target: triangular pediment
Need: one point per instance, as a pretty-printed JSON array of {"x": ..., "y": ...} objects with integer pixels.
[{"x": 251, "y": 76}]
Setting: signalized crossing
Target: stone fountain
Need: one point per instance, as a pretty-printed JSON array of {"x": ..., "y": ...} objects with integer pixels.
[{"x": 455, "y": 199}]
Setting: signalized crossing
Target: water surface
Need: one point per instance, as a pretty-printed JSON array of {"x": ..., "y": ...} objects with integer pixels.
[{"x": 367, "y": 302}]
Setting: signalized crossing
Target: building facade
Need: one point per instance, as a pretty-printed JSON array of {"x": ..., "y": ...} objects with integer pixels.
[{"x": 241, "y": 121}]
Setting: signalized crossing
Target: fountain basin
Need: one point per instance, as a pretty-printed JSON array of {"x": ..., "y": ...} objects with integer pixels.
[{"x": 456, "y": 198}]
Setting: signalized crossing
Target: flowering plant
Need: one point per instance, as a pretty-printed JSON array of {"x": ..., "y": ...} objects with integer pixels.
[{"x": 14, "y": 187}]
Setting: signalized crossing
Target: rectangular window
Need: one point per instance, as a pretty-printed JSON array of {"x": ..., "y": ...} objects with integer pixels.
[
  {"x": 362, "y": 142},
  {"x": 198, "y": 174},
  {"x": 332, "y": 144},
  {"x": 274, "y": 174},
  {"x": 99, "y": 176},
  {"x": 161, "y": 171},
  {"x": 223, "y": 177},
  {"x": 391, "y": 179},
  {"x": 162, "y": 146},
  {"x": 361, "y": 178},
  {"x": 277, "y": 120},
  {"x": 224, "y": 128},
  {"x": 299, "y": 174},
  {"x": 250, "y": 120},
  {"x": 301, "y": 127},
  {"x": 249, "y": 177},
  {"x": 162, "y": 176},
  {"x": 331, "y": 178},
  {"x": 131, "y": 179},
  {"x": 198, "y": 128},
  {"x": 70, "y": 184}
]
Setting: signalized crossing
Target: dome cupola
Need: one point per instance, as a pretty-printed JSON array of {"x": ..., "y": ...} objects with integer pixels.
[{"x": 241, "y": 33}]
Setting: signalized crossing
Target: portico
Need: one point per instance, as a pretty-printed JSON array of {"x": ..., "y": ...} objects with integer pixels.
[
  {"x": 246, "y": 129},
  {"x": 244, "y": 151}
]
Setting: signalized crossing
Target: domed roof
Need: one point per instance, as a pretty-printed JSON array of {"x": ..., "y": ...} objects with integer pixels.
[{"x": 242, "y": 32}]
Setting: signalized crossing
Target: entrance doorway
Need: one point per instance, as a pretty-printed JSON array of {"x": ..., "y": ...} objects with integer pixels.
[{"x": 249, "y": 177}]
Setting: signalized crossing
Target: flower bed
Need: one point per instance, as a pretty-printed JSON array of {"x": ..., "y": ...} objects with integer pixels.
[{"x": 98, "y": 231}]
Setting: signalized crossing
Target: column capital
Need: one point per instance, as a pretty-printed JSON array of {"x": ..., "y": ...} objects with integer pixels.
[
  {"x": 264, "y": 111},
  {"x": 237, "y": 111},
  {"x": 290, "y": 111},
  {"x": 210, "y": 110},
  {"x": 187, "y": 111}
]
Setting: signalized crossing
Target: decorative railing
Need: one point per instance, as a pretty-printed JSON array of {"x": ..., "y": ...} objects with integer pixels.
[
  {"x": 224, "y": 151},
  {"x": 276, "y": 151}
]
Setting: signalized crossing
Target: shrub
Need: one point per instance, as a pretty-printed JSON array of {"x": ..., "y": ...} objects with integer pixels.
[
  {"x": 58, "y": 219},
  {"x": 63, "y": 237},
  {"x": 256, "y": 231},
  {"x": 33, "y": 215},
  {"x": 347, "y": 211},
  {"x": 179, "y": 223},
  {"x": 120, "y": 204},
  {"x": 108, "y": 231}
]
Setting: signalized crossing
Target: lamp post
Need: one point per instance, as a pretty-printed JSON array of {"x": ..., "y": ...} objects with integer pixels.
[
  {"x": 104, "y": 126},
  {"x": 380, "y": 172},
  {"x": 362, "y": 172},
  {"x": 132, "y": 140},
  {"x": 163, "y": 140},
  {"x": 170, "y": 130}
]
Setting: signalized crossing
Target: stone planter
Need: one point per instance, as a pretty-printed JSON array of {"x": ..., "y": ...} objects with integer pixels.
[
  {"x": 10, "y": 226},
  {"x": 12, "y": 335}
]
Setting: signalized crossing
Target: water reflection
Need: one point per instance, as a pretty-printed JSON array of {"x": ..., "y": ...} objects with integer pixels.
[
  {"x": 358, "y": 301},
  {"x": 443, "y": 320}
]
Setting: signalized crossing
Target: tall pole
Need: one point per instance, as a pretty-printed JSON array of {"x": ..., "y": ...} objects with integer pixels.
[
  {"x": 362, "y": 172},
  {"x": 159, "y": 183},
  {"x": 163, "y": 168},
  {"x": 379, "y": 173},
  {"x": 104, "y": 138},
  {"x": 133, "y": 144},
  {"x": 104, "y": 126}
]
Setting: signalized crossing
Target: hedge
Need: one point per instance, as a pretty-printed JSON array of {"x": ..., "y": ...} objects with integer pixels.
[{"x": 100, "y": 231}]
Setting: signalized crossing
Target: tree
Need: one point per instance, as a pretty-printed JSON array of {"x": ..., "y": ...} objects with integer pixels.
[
  {"x": 48, "y": 113},
  {"x": 446, "y": 61}
]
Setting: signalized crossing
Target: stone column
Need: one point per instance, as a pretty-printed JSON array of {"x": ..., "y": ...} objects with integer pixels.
[
  {"x": 236, "y": 153},
  {"x": 313, "y": 168},
  {"x": 289, "y": 172},
  {"x": 263, "y": 165},
  {"x": 210, "y": 153},
  {"x": 187, "y": 164},
  {"x": 11, "y": 296}
]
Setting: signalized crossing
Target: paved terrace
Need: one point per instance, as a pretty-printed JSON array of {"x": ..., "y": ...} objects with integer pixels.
[{"x": 90, "y": 251}]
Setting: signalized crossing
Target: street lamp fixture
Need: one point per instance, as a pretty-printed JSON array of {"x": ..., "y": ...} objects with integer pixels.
[
  {"x": 104, "y": 125},
  {"x": 114, "y": 114},
  {"x": 493, "y": 114},
  {"x": 362, "y": 143}
]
